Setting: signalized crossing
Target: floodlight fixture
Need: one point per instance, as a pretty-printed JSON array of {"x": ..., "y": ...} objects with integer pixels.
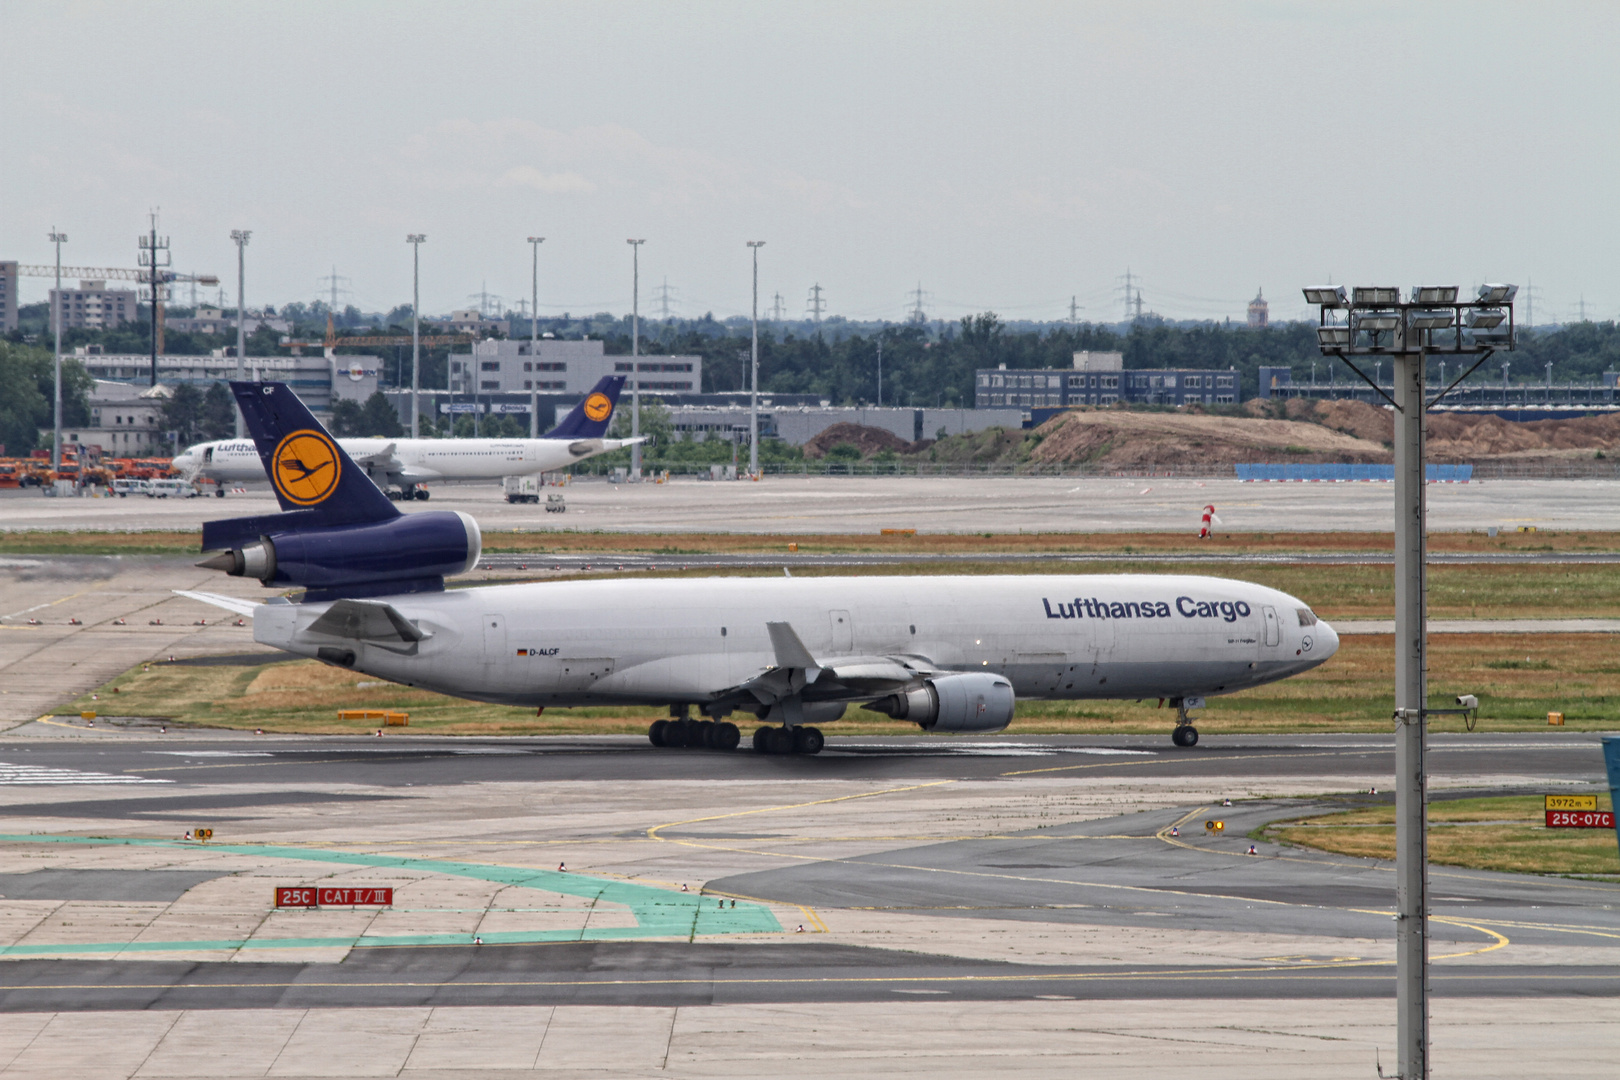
[
  {"x": 1434, "y": 294},
  {"x": 1430, "y": 318},
  {"x": 1325, "y": 295},
  {"x": 1333, "y": 337},
  {"x": 1497, "y": 294},
  {"x": 1374, "y": 295},
  {"x": 1485, "y": 318},
  {"x": 1377, "y": 321}
]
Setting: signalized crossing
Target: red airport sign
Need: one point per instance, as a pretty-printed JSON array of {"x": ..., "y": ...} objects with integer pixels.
[
  {"x": 309, "y": 896},
  {"x": 1580, "y": 819}
]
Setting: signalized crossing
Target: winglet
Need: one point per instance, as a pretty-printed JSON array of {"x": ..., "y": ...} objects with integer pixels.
[{"x": 790, "y": 651}]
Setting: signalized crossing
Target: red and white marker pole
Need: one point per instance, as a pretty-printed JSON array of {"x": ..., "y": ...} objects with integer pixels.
[{"x": 1209, "y": 514}]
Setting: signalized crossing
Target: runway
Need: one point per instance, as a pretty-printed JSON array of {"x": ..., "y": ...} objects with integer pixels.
[{"x": 809, "y": 505}]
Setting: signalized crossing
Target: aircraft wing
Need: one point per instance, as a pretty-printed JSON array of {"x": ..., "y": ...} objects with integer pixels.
[
  {"x": 229, "y": 603},
  {"x": 796, "y": 672},
  {"x": 384, "y": 459}
]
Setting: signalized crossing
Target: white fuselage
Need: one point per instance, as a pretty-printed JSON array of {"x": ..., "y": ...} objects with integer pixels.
[
  {"x": 673, "y": 641},
  {"x": 406, "y": 461}
]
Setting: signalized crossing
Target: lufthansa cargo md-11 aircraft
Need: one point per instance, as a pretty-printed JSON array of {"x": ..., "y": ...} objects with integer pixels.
[
  {"x": 409, "y": 463},
  {"x": 952, "y": 654}
]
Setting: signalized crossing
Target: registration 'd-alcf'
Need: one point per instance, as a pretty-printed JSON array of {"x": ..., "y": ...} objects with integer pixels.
[{"x": 951, "y": 654}]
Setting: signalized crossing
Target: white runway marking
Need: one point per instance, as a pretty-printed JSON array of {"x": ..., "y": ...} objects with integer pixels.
[{"x": 33, "y": 775}]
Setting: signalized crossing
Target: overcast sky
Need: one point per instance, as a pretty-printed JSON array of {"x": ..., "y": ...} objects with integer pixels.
[{"x": 1001, "y": 155}]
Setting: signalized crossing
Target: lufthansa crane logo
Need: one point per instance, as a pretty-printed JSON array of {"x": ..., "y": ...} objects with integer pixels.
[
  {"x": 305, "y": 467},
  {"x": 597, "y": 407}
]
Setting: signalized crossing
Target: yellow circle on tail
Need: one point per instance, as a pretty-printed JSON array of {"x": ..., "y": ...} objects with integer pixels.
[
  {"x": 305, "y": 467},
  {"x": 597, "y": 407}
]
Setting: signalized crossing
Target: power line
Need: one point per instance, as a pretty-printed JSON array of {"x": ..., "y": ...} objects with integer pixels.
[
  {"x": 816, "y": 304},
  {"x": 664, "y": 299},
  {"x": 917, "y": 314},
  {"x": 337, "y": 284}
]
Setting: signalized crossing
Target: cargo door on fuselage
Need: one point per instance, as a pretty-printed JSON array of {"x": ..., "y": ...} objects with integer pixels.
[{"x": 843, "y": 632}]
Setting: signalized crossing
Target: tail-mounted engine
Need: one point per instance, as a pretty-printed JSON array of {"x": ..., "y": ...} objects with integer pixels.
[
  {"x": 409, "y": 553},
  {"x": 975, "y": 701}
]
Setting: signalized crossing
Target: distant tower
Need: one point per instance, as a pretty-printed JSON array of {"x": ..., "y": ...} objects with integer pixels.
[
  {"x": 817, "y": 305},
  {"x": 1259, "y": 311}
]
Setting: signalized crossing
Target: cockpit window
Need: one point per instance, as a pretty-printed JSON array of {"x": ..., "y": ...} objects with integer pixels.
[{"x": 1306, "y": 617}]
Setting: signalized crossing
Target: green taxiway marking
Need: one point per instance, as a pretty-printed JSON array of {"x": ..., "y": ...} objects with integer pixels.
[{"x": 658, "y": 912}]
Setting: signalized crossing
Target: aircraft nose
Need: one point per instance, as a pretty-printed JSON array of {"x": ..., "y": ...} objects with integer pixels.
[{"x": 1327, "y": 640}]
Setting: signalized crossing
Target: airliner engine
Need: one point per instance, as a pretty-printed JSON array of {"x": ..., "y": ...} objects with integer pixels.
[
  {"x": 413, "y": 548},
  {"x": 972, "y": 702}
]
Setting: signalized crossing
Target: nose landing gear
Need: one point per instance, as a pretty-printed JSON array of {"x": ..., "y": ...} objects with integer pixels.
[{"x": 1185, "y": 734}]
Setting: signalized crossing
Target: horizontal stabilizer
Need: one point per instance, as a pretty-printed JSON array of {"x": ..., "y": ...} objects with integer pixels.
[
  {"x": 369, "y": 621},
  {"x": 228, "y": 533},
  {"x": 229, "y": 603}
]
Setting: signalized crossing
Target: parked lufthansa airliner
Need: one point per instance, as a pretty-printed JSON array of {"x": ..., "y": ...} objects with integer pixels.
[
  {"x": 951, "y": 654},
  {"x": 407, "y": 464}
]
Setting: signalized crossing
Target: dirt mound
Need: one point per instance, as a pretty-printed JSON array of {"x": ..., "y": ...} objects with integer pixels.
[
  {"x": 1119, "y": 439},
  {"x": 1371, "y": 422},
  {"x": 1473, "y": 437},
  {"x": 868, "y": 440}
]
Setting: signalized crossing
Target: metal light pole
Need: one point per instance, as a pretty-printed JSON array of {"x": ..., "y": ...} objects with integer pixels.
[
  {"x": 635, "y": 354},
  {"x": 753, "y": 386},
  {"x": 241, "y": 237},
  {"x": 1375, "y": 322},
  {"x": 415, "y": 240},
  {"x": 880, "y": 373},
  {"x": 534, "y": 340},
  {"x": 58, "y": 238}
]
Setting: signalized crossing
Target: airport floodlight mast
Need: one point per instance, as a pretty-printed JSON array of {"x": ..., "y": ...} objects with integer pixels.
[
  {"x": 1370, "y": 323},
  {"x": 635, "y": 356},
  {"x": 534, "y": 339},
  {"x": 58, "y": 238},
  {"x": 753, "y": 385},
  {"x": 240, "y": 237},
  {"x": 415, "y": 240}
]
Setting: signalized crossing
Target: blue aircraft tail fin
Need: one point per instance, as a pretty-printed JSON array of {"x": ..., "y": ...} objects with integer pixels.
[
  {"x": 591, "y": 417},
  {"x": 316, "y": 483}
]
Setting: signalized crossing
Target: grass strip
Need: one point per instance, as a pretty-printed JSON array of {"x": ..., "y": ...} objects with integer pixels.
[{"x": 1506, "y": 833}]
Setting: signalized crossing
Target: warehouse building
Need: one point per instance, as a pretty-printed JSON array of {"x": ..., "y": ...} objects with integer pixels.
[{"x": 1100, "y": 378}]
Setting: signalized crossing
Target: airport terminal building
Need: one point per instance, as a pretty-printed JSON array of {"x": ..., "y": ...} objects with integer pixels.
[{"x": 1100, "y": 378}]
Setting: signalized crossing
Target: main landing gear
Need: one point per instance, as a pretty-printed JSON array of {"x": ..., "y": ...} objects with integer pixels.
[
  {"x": 696, "y": 734},
  {"x": 407, "y": 494},
  {"x": 788, "y": 740}
]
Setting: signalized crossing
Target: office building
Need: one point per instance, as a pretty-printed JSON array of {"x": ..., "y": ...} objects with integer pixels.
[
  {"x": 566, "y": 367},
  {"x": 1101, "y": 379},
  {"x": 93, "y": 306}
]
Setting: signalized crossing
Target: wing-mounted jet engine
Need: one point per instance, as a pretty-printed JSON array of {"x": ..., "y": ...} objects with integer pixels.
[{"x": 338, "y": 535}]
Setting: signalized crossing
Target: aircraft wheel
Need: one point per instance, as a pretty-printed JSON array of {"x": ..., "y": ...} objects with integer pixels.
[
  {"x": 1185, "y": 736},
  {"x": 655, "y": 733},
  {"x": 702, "y": 734},
  {"x": 393, "y": 496},
  {"x": 778, "y": 740},
  {"x": 759, "y": 740},
  {"x": 726, "y": 736},
  {"x": 422, "y": 494},
  {"x": 674, "y": 734},
  {"x": 219, "y": 493},
  {"x": 808, "y": 740}
]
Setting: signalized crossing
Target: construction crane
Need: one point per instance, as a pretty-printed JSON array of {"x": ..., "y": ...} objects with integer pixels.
[
  {"x": 333, "y": 341},
  {"x": 115, "y": 273}
]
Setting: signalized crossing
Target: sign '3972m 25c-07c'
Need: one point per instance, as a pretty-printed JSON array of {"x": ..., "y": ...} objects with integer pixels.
[{"x": 952, "y": 654}]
